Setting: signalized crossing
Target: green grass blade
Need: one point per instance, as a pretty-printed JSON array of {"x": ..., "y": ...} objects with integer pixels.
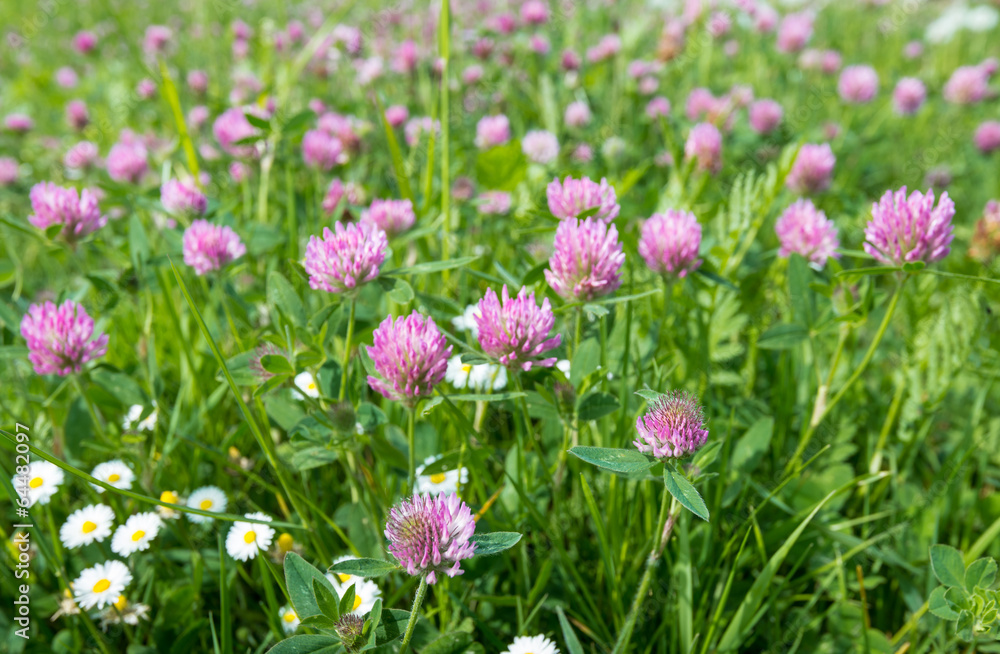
[
  {"x": 398, "y": 167},
  {"x": 746, "y": 614},
  {"x": 170, "y": 92}
]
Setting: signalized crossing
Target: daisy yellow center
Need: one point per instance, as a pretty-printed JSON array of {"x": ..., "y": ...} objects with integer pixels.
[
  {"x": 121, "y": 603},
  {"x": 205, "y": 505},
  {"x": 138, "y": 535},
  {"x": 311, "y": 386},
  {"x": 290, "y": 617},
  {"x": 438, "y": 478},
  {"x": 113, "y": 477},
  {"x": 102, "y": 586},
  {"x": 249, "y": 537},
  {"x": 170, "y": 497},
  {"x": 343, "y": 578},
  {"x": 285, "y": 542},
  {"x": 88, "y": 527},
  {"x": 466, "y": 368},
  {"x": 357, "y": 602},
  {"x": 36, "y": 482}
]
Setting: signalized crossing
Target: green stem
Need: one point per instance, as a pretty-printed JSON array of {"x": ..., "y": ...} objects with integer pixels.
[
  {"x": 578, "y": 331},
  {"x": 347, "y": 353},
  {"x": 820, "y": 410},
  {"x": 412, "y": 622},
  {"x": 98, "y": 430},
  {"x": 647, "y": 577},
  {"x": 521, "y": 436},
  {"x": 445, "y": 29},
  {"x": 229, "y": 316},
  {"x": 411, "y": 419}
]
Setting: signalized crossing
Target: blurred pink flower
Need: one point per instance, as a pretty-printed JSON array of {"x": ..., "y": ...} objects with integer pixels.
[
  {"x": 704, "y": 147},
  {"x": 967, "y": 85},
  {"x": 210, "y": 247},
  {"x": 396, "y": 115},
  {"x": 572, "y": 197},
  {"x": 404, "y": 58},
  {"x": 197, "y": 81},
  {"x": 534, "y": 12},
  {"x": 658, "y": 107},
  {"x": 391, "y": 216},
  {"x": 197, "y": 117},
  {"x": 908, "y": 96},
  {"x": 492, "y": 131},
  {"x": 577, "y": 114},
  {"x": 858, "y": 84},
  {"x": 805, "y": 230},
  {"x": 987, "y": 137},
  {"x": 795, "y": 31},
  {"x": 156, "y": 39},
  {"x": 230, "y": 128},
  {"x": 18, "y": 122},
  {"x": 540, "y": 146},
  {"x": 320, "y": 150},
  {"x": 765, "y": 116},
  {"x": 812, "y": 170},
  {"x": 82, "y": 155},
  {"x": 145, "y": 89},
  {"x": 719, "y": 24},
  {"x": 127, "y": 160},
  {"x": 66, "y": 77},
  {"x": 61, "y": 338},
  {"x": 77, "y": 114},
  {"x": 494, "y": 202},
  {"x": 78, "y": 213},
  {"x": 669, "y": 243},
  {"x": 84, "y": 41},
  {"x": 8, "y": 171},
  {"x": 607, "y": 47},
  {"x": 182, "y": 197}
]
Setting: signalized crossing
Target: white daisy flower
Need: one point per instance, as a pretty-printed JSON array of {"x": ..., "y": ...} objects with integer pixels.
[
  {"x": 132, "y": 421},
  {"x": 305, "y": 382},
  {"x": 40, "y": 482},
  {"x": 457, "y": 373},
  {"x": 289, "y": 620},
  {"x": 115, "y": 473},
  {"x": 563, "y": 364},
  {"x": 170, "y": 497},
  {"x": 101, "y": 585},
  {"x": 86, "y": 525},
  {"x": 136, "y": 534},
  {"x": 365, "y": 593},
  {"x": 532, "y": 645},
  {"x": 206, "y": 498},
  {"x": 440, "y": 482},
  {"x": 488, "y": 376},
  {"x": 123, "y": 611},
  {"x": 467, "y": 321},
  {"x": 245, "y": 539}
]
